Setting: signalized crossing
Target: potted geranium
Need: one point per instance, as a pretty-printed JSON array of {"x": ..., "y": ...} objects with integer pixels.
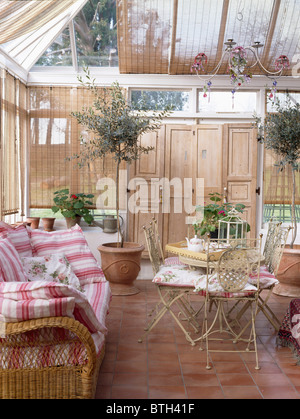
[
  {"x": 214, "y": 211},
  {"x": 73, "y": 206},
  {"x": 116, "y": 128},
  {"x": 281, "y": 133}
]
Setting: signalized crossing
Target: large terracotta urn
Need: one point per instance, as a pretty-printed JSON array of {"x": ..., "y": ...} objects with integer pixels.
[
  {"x": 121, "y": 266},
  {"x": 288, "y": 273}
]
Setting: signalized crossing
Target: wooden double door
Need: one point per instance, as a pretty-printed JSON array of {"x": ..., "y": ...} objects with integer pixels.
[{"x": 187, "y": 163}]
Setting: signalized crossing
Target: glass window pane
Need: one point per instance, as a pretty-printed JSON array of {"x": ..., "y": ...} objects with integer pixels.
[
  {"x": 222, "y": 102},
  {"x": 96, "y": 34},
  {"x": 59, "y": 53},
  {"x": 154, "y": 99},
  {"x": 281, "y": 97}
]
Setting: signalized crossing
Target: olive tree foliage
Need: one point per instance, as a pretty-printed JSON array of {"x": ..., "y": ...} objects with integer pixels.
[
  {"x": 281, "y": 133},
  {"x": 115, "y": 127}
]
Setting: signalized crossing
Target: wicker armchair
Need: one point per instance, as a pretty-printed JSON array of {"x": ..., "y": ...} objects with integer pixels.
[{"x": 38, "y": 360}]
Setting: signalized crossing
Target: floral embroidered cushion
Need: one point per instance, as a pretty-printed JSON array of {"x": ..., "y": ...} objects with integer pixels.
[
  {"x": 55, "y": 268},
  {"x": 214, "y": 288},
  {"x": 177, "y": 275}
]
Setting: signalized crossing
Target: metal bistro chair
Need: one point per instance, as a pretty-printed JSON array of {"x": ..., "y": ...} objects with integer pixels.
[
  {"x": 227, "y": 283},
  {"x": 174, "y": 283},
  {"x": 268, "y": 272}
]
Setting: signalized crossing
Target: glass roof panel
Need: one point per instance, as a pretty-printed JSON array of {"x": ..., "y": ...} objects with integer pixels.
[
  {"x": 96, "y": 34},
  {"x": 59, "y": 53}
]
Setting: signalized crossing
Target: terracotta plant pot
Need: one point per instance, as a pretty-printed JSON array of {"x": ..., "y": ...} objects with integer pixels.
[
  {"x": 71, "y": 222},
  {"x": 48, "y": 223},
  {"x": 34, "y": 222},
  {"x": 121, "y": 266},
  {"x": 289, "y": 274}
]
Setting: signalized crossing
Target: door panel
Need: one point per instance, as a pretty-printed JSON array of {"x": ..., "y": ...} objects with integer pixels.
[{"x": 240, "y": 169}]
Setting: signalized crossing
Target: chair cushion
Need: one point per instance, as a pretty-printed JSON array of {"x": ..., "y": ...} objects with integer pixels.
[
  {"x": 174, "y": 260},
  {"x": 10, "y": 263},
  {"x": 266, "y": 278},
  {"x": 177, "y": 275},
  {"x": 73, "y": 244},
  {"x": 53, "y": 268},
  {"x": 215, "y": 289},
  {"x": 18, "y": 236}
]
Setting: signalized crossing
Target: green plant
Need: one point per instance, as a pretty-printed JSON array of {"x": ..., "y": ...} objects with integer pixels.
[
  {"x": 71, "y": 205},
  {"x": 213, "y": 212},
  {"x": 116, "y": 127},
  {"x": 281, "y": 133}
]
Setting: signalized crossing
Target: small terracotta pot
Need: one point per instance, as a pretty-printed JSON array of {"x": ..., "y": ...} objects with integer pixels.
[
  {"x": 48, "y": 223},
  {"x": 34, "y": 222},
  {"x": 71, "y": 222}
]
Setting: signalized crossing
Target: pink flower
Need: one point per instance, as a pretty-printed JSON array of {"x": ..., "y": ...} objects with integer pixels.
[{"x": 221, "y": 212}]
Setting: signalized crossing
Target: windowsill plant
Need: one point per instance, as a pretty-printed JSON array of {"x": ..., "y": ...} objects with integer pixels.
[
  {"x": 72, "y": 206},
  {"x": 213, "y": 212}
]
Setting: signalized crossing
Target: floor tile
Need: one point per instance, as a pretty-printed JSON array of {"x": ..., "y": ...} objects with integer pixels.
[{"x": 166, "y": 366}]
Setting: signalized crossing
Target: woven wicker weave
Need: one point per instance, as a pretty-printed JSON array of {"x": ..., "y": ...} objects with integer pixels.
[{"x": 63, "y": 378}]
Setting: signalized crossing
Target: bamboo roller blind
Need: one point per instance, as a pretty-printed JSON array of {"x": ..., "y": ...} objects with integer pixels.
[
  {"x": 13, "y": 96},
  {"x": 164, "y": 36},
  {"x": 278, "y": 185},
  {"x": 55, "y": 135},
  {"x": 20, "y": 17}
]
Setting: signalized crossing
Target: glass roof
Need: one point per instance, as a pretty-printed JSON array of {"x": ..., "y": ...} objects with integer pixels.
[{"x": 89, "y": 40}]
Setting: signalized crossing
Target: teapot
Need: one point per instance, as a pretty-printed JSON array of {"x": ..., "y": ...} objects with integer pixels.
[{"x": 195, "y": 244}]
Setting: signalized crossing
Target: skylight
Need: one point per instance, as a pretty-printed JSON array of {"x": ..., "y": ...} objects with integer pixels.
[{"x": 90, "y": 40}]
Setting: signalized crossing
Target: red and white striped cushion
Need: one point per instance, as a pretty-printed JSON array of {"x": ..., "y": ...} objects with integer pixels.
[
  {"x": 31, "y": 300},
  {"x": 99, "y": 296},
  {"x": 73, "y": 244},
  {"x": 19, "y": 238},
  {"x": 266, "y": 278},
  {"x": 10, "y": 263}
]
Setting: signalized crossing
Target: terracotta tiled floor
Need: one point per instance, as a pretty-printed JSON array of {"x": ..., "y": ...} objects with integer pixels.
[{"x": 166, "y": 366}]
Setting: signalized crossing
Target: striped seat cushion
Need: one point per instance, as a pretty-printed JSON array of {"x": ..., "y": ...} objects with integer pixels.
[
  {"x": 266, "y": 278},
  {"x": 73, "y": 244}
]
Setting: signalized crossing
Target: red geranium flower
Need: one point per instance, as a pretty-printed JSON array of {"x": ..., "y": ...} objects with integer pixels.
[{"x": 74, "y": 196}]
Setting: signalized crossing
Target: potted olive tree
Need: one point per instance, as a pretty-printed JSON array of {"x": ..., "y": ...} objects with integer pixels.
[
  {"x": 116, "y": 129},
  {"x": 281, "y": 133}
]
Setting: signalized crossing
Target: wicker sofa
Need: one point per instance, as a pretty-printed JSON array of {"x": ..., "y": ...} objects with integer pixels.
[{"x": 52, "y": 335}]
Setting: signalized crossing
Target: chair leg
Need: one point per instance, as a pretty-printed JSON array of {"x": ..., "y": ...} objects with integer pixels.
[{"x": 167, "y": 300}]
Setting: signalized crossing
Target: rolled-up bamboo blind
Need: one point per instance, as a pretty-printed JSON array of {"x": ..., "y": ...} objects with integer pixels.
[
  {"x": 55, "y": 135},
  {"x": 278, "y": 185},
  {"x": 12, "y": 144}
]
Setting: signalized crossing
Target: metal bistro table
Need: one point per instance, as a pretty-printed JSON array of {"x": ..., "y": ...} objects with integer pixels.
[{"x": 191, "y": 258}]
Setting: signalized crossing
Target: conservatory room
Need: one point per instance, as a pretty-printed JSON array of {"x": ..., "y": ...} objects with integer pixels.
[{"x": 149, "y": 200}]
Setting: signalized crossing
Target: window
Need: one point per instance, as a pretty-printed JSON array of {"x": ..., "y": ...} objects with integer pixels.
[
  {"x": 222, "y": 102},
  {"x": 95, "y": 38},
  {"x": 159, "y": 99},
  {"x": 278, "y": 185},
  {"x": 55, "y": 135}
]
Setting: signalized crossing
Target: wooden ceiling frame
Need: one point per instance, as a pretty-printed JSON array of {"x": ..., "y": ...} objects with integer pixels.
[
  {"x": 221, "y": 40},
  {"x": 274, "y": 16},
  {"x": 173, "y": 37}
]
